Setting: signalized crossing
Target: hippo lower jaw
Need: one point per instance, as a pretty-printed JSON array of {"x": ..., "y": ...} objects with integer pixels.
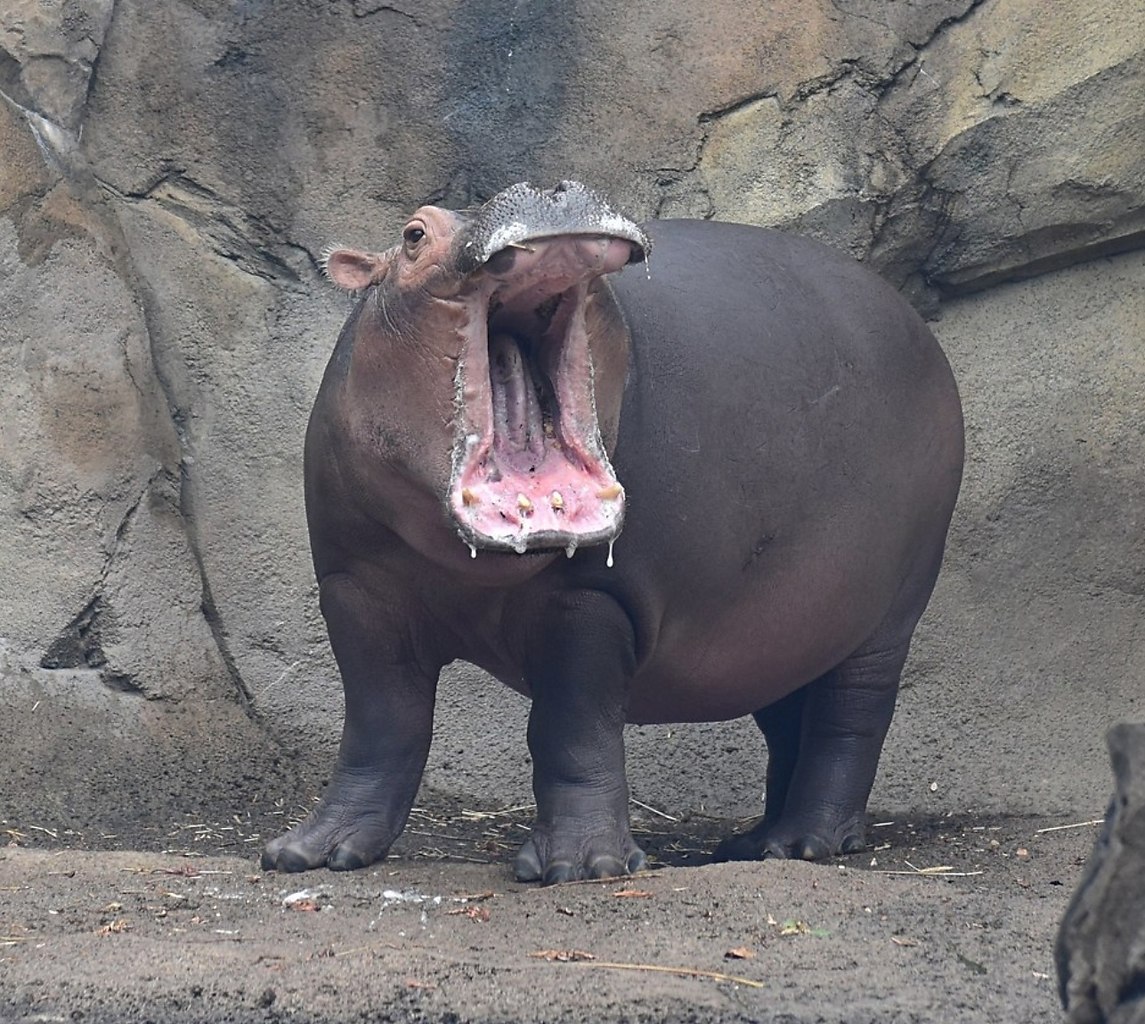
[{"x": 530, "y": 471}]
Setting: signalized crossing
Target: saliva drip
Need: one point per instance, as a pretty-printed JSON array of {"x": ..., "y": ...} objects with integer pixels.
[
  {"x": 571, "y": 549},
  {"x": 472, "y": 550},
  {"x": 608, "y": 561}
]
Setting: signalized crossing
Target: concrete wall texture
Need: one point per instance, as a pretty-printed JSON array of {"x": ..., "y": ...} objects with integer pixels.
[{"x": 170, "y": 171}]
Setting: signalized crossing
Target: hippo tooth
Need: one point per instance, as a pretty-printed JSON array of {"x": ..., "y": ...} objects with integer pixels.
[
  {"x": 609, "y": 492},
  {"x": 524, "y": 504},
  {"x": 556, "y": 500},
  {"x": 469, "y": 497}
]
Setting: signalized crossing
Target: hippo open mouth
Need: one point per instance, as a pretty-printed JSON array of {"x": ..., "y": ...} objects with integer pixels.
[{"x": 530, "y": 470}]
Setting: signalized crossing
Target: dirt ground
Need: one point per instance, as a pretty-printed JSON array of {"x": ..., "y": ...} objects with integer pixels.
[{"x": 939, "y": 921}]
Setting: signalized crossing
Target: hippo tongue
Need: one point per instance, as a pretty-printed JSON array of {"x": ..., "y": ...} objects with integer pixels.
[{"x": 518, "y": 421}]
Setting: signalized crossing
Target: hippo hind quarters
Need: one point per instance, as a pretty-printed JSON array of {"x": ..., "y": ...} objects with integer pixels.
[{"x": 824, "y": 742}]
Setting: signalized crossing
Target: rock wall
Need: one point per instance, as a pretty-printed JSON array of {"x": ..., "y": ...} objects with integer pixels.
[{"x": 170, "y": 171}]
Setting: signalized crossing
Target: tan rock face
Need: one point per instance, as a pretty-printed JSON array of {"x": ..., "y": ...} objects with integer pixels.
[
  {"x": 171, "y": 171},
  {"x": 80, "y": 440},
  {"x": 1024, "y": 139},
  {"x": 49, "y": 52},
  {"x": 104, "y": 636}
]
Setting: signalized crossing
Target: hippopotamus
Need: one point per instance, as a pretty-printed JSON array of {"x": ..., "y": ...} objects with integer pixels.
[{"x": 685, "y": 471}]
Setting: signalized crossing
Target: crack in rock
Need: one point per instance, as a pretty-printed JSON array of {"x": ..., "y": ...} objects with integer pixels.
[
  {"x": 366, "y": 8},
  {"x": 80, "y": 643},
  {"x": 707, "y": 116},
  {"x": 244, "y": 239}
]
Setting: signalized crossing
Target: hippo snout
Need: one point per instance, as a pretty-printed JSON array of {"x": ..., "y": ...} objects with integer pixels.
[{"x": 522, "y": 214}]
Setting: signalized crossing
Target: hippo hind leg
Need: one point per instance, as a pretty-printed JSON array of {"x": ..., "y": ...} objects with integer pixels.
[{"x": 824, "y": 742}]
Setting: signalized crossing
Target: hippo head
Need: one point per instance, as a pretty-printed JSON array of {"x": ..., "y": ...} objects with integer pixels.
[{"x": 502, "y": 313}]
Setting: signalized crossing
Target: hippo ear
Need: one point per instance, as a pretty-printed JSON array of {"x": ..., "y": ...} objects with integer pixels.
[{"x": 352, "y": 269}]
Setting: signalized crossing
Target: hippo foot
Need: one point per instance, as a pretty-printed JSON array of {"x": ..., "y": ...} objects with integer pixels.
[
  {"x": 329, "y": 838},
  {"x": 551, "y": 857},
  {"x": 783, "y": 842},
  {"x": 338, "y": 834}
]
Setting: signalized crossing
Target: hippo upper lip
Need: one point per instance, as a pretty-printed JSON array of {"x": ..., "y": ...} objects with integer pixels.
[
  {"x": 518, "y": 234},
  {"x": 524, "y": 213}
]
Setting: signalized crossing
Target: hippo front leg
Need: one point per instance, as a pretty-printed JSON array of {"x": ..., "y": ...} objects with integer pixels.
[
  {"x": 385, "y": 737},
  {"x": 578, "y": 669}
]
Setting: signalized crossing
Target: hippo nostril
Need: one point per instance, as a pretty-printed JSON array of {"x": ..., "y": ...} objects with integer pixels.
[{"x": 501, "y": 262}]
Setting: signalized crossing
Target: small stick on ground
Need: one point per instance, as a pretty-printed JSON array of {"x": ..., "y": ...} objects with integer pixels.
[
  {"x": 1077, "y": 824},
  {"x": 939, "y": 871},
  {"x": 652, "y": 810},
  {"x": 683, "y": 972},
  {"x": 482, "y": 815}
]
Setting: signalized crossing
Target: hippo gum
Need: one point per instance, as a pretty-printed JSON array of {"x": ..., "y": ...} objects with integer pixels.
[{"x": 716, "y": 489}]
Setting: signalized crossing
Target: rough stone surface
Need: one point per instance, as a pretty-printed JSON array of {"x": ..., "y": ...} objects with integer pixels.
[
  {"x": 118, "y": 695},
  {"x": 1101, "y": 945},
  {"x": 170, "y": 171},
  {"x": 48, "y": 54},
  {"x": 1035, "y": 639}
]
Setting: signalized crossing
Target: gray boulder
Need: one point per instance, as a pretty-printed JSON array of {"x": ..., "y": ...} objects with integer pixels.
[{"x": 1101, "y": 946}]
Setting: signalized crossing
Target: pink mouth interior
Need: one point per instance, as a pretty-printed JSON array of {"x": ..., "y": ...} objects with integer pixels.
[{"x": 530, "y": 470}]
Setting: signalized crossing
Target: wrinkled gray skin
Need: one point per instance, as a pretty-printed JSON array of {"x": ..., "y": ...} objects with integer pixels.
[{"x": 788, "y": 437}]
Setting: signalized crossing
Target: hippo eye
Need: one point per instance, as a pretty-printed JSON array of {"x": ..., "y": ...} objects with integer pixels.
[{"x": 413, "y": 235}]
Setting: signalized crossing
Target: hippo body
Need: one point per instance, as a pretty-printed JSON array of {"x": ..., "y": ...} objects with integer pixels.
[{"x": 785, "y": 438}]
